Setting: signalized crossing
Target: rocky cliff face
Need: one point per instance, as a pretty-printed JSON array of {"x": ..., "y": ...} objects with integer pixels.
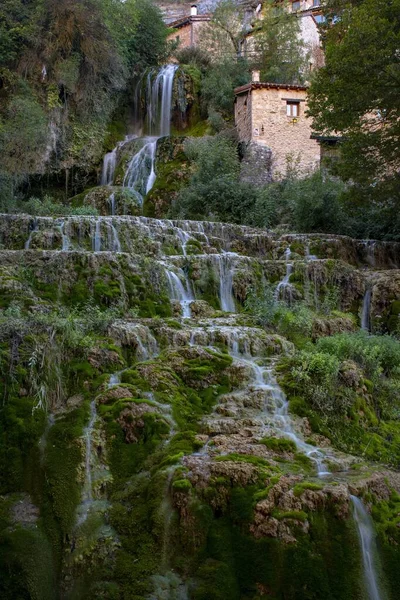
[{"x": 149, "y": 450}]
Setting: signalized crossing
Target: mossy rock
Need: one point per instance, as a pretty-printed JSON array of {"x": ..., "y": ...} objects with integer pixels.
[{"x": 103, "y": 198}]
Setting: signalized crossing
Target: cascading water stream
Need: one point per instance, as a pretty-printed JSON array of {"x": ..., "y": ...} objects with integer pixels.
[
  {"x": 87, "y": 495},
  {"x": 66, "y": 244},
  {"x": 140, "y": 175},
  {"x": 180, "y": 293},
  {"x": 278, "y": 419},
  {"x": 97, "y": 236},
  {"x": 368, "y": 548},
  {"x": 284, "y": 285},
  {"x": 33, "y": 229},
  {"x": 43, "y": 440},
  {"x": 366, "y": 311}
]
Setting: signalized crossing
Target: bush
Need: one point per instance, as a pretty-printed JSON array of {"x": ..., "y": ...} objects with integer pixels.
[
  {"x": 214, "y": 190},
  {"x": 48, "y": 207},
  {"x": 193, "y": 55}
]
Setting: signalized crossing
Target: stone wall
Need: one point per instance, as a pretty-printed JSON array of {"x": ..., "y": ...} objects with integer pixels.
[
  {"x": 287, "y": 138},
  {"x": 183, "y": 35},
  {"x": 243, "y": 116},
  {"x": 255, "y": 167},
  {"x": 189, "y": 32}
]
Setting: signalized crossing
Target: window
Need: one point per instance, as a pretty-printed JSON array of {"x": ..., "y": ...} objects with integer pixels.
[
  {"x": 316, "y": 2},
  {"x": 292, "y": 108},
  {"x": 296, "y": 5}
]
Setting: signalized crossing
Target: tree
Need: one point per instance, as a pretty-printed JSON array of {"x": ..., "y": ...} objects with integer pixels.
[
  {"x": 356, "y": 94},
  {"x": 280, "y": 53},
  {"x": 214, "y": 190}
]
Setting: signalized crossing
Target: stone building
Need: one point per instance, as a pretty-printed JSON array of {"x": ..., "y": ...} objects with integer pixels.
[
  {"x": 272, "y": 116},
  {"x": 187, "y": 30}
]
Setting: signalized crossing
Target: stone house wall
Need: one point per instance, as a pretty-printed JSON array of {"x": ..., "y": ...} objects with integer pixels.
[
  {"x": 288, "y": 138},
  {"x": 188, "y": 30},
  {"x": 243, "y": 116}
]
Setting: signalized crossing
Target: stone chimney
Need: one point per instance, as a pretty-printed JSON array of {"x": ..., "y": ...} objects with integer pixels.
[
  {"x": 255, "y": 76},
  {"x": 193, "y": 10}
]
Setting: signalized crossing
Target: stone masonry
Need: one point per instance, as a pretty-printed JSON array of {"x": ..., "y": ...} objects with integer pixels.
[{"x": 262, "y": 117}]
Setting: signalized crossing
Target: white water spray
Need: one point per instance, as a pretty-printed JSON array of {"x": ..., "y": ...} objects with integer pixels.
[{"x": 366, "y": 536}]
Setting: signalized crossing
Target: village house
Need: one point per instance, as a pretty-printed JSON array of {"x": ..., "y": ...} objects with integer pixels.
[
  {"x": 187, "y": 30},
  {"x": 272, "y": 116}
]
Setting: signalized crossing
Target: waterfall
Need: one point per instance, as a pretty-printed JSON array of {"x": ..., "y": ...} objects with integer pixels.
[
  {"x": 111, "y": 202},
  {"x": 33, "y": 226},
  {"x": 140, "y": 175},
  {"x": 159, "y": 101},
  {"x": 109, "y": 164},
  {"x": 96, "y": 243},
  {"x": 366, "y": 311},
  {"x": 179, "y": 293},
  {"x": 309, "y": 257},
  {"x": 43, "y": 440},
  {"x": 278, "y": 419},
  {"x": 87, "y": 494},
  {"x": 284, "y": 287},
  {"x": 366, "y": 536},
  {"x": 113, "y": 239},
  {"x": 225, "y": 269},
  {"x": 370, "y": 245},
  {"x": 65, "y": 239}
]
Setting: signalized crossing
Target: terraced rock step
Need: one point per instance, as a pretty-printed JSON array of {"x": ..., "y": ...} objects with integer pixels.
[{"x": 167, "y": 237}]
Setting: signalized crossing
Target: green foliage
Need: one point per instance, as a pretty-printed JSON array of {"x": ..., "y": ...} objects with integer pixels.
[
  {"x": 282, "y": 54},
  {"x": 220, "y": 81},
  {"x": 222, "y": 196},
  {"x": 348, "y": 386},
  {"x": 279, "y": 444},
  {"x": 23, "y": 134},
  {"x": 308, "y": 204},
  {"x": 48, "y": 207},
  {"x": 77, "y": 58},
  {"x": 355, "y": 95}
]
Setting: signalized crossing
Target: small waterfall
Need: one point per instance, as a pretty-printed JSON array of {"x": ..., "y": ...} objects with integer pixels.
[
  {"x": 66, "y": 243},
  {"x": 284, "y": 287},
  {"x": 43, "y": 440},
  {"x": 366, "y": 311},
  {"x": 366, "y": 536},
  {"x": 140, "y": 174},
  {"x": 115, "y": 379},
  {"x": 279, "y": 419},
  {"x": 370, "y": 246},
  {"x": 159, "y": 101},
  {"x": 113, "y": 239},
  {"x": 111, "y": 202},
  {"x": 110, "y": 162},
  {"x": 96, "y": 237},
  {"x": 178, "y": 292},
  {"x": 87, "y": 495},
  {"x": 33, "y": 226},
  {"x": 109, "y": 165},
  {"x": 225, "y": 268},
  {"x": 309, "y": 257}
]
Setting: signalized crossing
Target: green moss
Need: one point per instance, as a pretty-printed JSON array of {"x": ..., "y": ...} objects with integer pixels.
[
  {"x": 299, "y": 488},
  {"x": 254, "y": 460},
  {"x": 62, "y": 459},
  {"x": 279, "y": 444},
  {"x": 182, "y": 485},
  {"x": 294, "y": 515}
]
